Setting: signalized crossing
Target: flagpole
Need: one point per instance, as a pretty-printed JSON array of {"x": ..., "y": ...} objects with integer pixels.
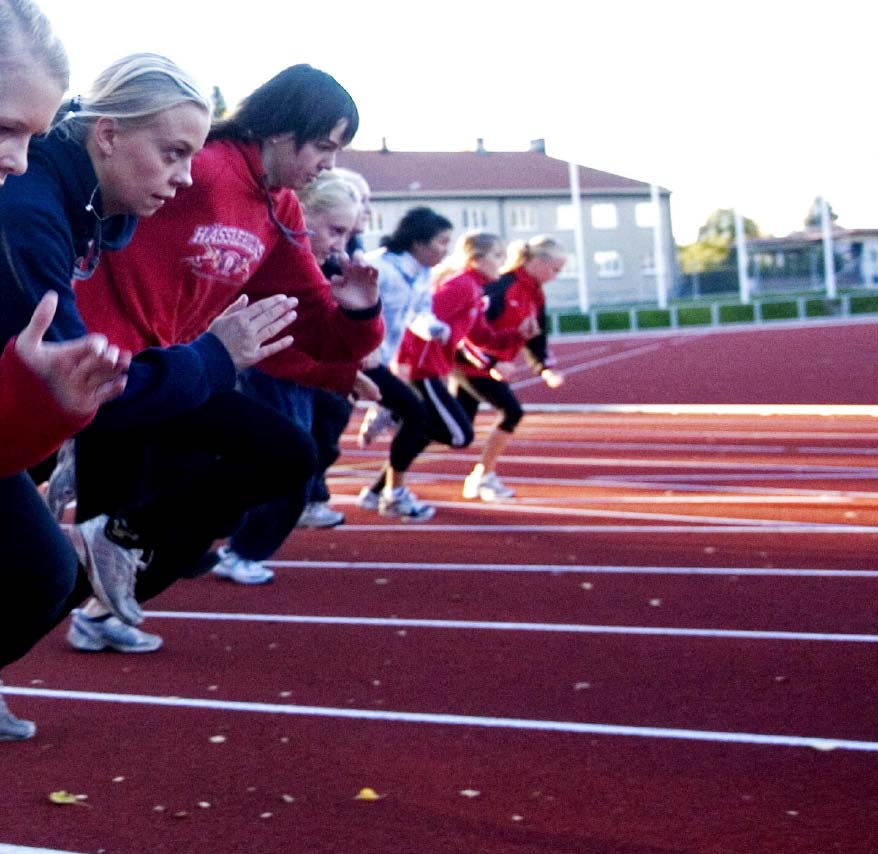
[
  {"x": 578, "y": 238},
  {"x": 658, "y": 248}
]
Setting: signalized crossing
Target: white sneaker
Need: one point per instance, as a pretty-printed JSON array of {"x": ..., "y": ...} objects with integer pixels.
[
  {"x": 471, "y": 485},
  {"x": 318, "y": 514},
  {"x": 376, "y": 421},
  {"x": 486, "y": 486},
  {"x": 403, "y": 503},
  {"x": 61, "y": 489},
  {"x": 240, "y": 570},
  {"x": 111, "y": 568},
  {"x": 11, "y": 727},
  {"x": 111, "y": 633},
  {"x": 492, "y": 488},
  {"x": 367, "y": 499}
]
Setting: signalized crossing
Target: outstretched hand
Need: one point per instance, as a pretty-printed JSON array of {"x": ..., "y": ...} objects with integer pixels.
[
  {"x": 357, "y": 286},
  {"x": 81, "y": 374},
  {"x": 245, "y": 329},
  {"x": 551, "y": 378}
]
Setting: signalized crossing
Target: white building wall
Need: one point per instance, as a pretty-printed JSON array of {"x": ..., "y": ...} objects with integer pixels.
[{"x": 632, "y": 280}]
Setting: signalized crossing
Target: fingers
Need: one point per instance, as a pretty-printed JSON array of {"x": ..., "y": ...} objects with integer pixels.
[
  {"x": 40, "y": 320},
  {"x": 275, "y": 347},
  {"x": 237, "y": 305}
]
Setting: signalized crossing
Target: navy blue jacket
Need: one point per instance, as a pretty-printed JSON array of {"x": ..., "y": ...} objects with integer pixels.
[{"x": 48, "y": 236}]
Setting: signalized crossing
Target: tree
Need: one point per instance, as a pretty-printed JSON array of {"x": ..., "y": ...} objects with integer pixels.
[
  {"x": 814, "y": 219},
  {"x": 715, "y": 241},
  {"x": 219, "y": 103}
]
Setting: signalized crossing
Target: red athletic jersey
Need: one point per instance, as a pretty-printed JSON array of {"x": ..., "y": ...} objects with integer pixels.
[
  {"x": 215, "y": 241},
  {"x": 32, "y": 423},
  {"x": 459, "y": 302},
  {"x": 521, "y": 298}
]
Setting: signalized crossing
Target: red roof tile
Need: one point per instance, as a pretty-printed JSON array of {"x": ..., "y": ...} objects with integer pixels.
[{"x": 473, "y": 172}]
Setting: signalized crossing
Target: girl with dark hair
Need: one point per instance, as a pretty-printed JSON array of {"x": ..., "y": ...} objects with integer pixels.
[
  {"x": 419, "y": 242},
  {"x": 239, "y": 233}
]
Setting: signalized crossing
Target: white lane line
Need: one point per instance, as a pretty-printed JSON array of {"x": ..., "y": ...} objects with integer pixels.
[
  {"x": 346, "y": 476},
  {"x": 495, "y": 626},
  {"x": 702, "y": 497},
  {"x": 770, "y": 739},
  {"x": 509, "y": 528},
  {"x": 624, "y": 462},
  {"x": 549, "y": 509},
  {"x": 716, "y": 477},
  {"x": 556, "y": 569},
  {"x": 594, "y": 363},
  {"x": 827, "y": 410},
  {"x": 18, "y": 849}
]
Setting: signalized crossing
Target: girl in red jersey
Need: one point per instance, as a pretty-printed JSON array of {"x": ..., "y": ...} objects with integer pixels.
[
  {"x": 458, "y": 301},
  {"x": 516, "y": 295}
]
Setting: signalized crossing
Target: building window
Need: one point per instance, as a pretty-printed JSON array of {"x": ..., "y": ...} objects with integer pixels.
[
  {"x": 644, "y": 214},
  {"x": 375, "y": 223},
  {"x": 474, "y": 218},
  {"x": 565, "y": 218},
  {"x": 609, "y": 264},
  {"x": 604, "y": 216},
  {"x": 522, "y": 218},
  {"x": 647, "y": 264}
]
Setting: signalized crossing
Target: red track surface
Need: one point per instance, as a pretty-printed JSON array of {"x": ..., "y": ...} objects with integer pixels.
[{"x": 628, "y": 530}]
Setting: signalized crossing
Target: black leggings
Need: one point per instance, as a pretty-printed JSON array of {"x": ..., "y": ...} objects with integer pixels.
[
  {"x": 428, "y": 413},
  {"x": 472, "y": 390},
  {"x": 40, "y": 579},
  {"x": 189, "y": 480}
]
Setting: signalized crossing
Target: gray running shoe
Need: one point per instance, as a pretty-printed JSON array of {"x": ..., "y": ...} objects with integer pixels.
[
  {"x": 403, "y": 503},
  {"x": 318, "y": 514},
  {"x": 11, "y": 727},
  {"x": 62, "y": 482},
  {"x": 111, "y": 569},
  {"x": 368, "y": 499},
  {"x": 111, "y": 633},
  {"x": 241, "y": 570}
]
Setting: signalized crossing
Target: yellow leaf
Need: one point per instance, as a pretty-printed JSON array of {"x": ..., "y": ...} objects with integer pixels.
[
  {"x": 367, "y": 795},
  {"x": 67, "y": 799}
]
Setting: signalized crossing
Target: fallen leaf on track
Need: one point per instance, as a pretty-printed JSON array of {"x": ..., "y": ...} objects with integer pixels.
[
  {"x": 63, "y": 798},
  {"x": 367, "y": 794}
]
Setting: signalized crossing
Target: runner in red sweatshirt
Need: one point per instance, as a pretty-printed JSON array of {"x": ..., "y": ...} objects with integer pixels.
[
  {"x": 239, "y": 231},
  {"x": 458, "y": 300},
  {"x": 517, "y": 295}
]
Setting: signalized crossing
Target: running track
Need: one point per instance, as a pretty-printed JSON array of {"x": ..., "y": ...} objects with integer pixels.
[{"x": 667, "y": 643}]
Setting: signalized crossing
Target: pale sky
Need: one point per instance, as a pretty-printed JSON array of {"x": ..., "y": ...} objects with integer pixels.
[{"x": 761, "y": 105}]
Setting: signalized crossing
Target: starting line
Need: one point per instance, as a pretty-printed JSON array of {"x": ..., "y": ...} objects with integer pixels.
[{"x": 814, "y": 743}]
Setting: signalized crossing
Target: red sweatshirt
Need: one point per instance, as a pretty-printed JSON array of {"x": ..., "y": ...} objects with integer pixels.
[
  {"x": 522, "y": 298},
  {"x": 32, "y": 423},
  {"x": 215, "y": 241},
  {"x": 460, "y": 302}
]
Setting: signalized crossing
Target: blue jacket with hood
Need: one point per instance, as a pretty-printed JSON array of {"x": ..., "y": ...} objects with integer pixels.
[{"x": 51, "y": 233}]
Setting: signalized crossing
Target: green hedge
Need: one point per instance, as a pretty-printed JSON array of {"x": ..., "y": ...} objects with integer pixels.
[
  {"x": 654, "y": 318},
  {"x": 736, "y": 314},
  {"x": 779, "y": 310},
  {"x": 574, "y": 323},
  {"x": 864, "y": 305},
  {"x": 822, "y": 307},
  {"x": 696, "y": 315},
  {"x": 613, "y": 321}
]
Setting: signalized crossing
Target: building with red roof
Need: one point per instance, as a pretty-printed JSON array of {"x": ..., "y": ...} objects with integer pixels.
[{"x": 519, "y": 194}]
